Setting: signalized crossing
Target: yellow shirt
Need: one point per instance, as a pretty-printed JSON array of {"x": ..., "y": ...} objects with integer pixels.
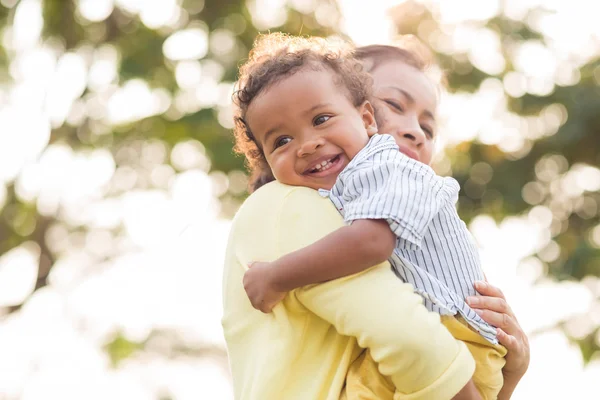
[{"x": 304, "y": 348}]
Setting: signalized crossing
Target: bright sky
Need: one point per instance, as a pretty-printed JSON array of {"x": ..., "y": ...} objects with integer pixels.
[{"x": 164, "y": 271}]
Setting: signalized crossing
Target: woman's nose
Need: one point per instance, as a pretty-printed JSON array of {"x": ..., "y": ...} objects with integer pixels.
[{"x": 414, "y": 133}]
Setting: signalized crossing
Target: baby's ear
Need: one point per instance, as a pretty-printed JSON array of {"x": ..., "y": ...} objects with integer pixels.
[{"x": 368, "y": 116}]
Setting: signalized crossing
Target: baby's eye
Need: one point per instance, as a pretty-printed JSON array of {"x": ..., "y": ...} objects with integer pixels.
[
  {"x": 282, "y": 141},
  {"x": 321, "y": 119}
]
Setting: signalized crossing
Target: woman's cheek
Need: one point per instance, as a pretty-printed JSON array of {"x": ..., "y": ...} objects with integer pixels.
[{"x": 391, "y": 122}]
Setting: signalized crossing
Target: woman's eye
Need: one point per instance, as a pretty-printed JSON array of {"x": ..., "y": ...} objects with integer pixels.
[
  {"x": 395, "y": 105},
  {"x": 321, "y": 119},
  {"x": 428, "y": 131},
  {"x": 282, "y": 141}
]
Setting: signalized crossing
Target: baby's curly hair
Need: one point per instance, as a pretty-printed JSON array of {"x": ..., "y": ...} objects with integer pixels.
[{"x": 274, "y": 57}]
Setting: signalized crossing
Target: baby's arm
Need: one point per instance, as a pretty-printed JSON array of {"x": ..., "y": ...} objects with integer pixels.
[{"x": 344, "y": 252}]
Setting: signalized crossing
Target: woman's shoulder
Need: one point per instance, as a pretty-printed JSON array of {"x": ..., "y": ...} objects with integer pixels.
[
  {"x": 275, "y": 204},
  {"x": 275, "y": 195},
  {"x": 277, "y": 190}
]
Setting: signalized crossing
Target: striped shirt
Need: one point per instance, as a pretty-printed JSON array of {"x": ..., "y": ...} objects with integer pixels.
[{"x": 434, "y": 251}]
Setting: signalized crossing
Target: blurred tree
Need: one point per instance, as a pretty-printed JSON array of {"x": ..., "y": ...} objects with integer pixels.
[
  {"x": 137, "y": 43},
  {"x": 559, "y": 128},
  {"x": 141, "y": 52}
]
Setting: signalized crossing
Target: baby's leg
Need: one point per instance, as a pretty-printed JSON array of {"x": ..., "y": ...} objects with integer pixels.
[
  {"x": 489, "y": 358},
  {"x": 365, "y": 382}
]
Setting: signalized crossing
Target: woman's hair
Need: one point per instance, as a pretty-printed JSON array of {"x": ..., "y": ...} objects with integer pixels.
[
  {"x": 275, "y": 57},
  {"x": 408, "y": 50}
]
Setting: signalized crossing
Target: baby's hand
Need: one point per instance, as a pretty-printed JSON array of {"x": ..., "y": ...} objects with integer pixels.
[{"x": 258, "y": 286}]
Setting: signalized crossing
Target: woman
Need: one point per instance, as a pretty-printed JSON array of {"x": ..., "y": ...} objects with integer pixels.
[
  {"x": 397, "y": 74},
  {"x": 405, "y": 104}
]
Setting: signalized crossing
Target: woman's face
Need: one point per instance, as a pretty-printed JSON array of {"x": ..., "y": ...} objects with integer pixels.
[{"x": 405, "y": 102}]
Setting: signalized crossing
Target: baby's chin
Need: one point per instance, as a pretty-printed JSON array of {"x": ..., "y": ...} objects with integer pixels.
[
  {"x": 316, "y": 184},
  {"x": 320, "y": 185}
]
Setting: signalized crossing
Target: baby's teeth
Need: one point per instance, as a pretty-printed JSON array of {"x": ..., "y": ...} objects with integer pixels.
[{"x": 324, "y": 165}]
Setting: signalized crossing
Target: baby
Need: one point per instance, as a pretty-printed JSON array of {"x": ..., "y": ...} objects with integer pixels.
[{"x": 304, "y": 116}]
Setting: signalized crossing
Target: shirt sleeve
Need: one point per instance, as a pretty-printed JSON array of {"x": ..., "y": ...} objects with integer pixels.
[
  {"x": 408, "y": 342},
  {"x": 404, "y": 192}
]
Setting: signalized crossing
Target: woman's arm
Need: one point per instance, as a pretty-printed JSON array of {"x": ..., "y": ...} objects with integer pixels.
[
  {"x": 469, "y": 392},
  {"x": 495, "y": 310},
  {"x": 344, "y": 252},
  {"x": 385, "y": 315}
]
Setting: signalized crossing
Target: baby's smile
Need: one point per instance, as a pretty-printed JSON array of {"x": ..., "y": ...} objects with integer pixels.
[{"x": 325, "y": 165}]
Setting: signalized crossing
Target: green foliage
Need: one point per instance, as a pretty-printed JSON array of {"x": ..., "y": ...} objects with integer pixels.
[
  {"x": 140, "y": 51},
  {"x": 141, "y": 57},
  {"x": 120, "y": 348}
]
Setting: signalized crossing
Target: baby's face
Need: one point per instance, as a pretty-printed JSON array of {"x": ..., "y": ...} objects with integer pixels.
[
  {"x": 308, "y": 128},
  {"x": 406, "y": 104}
]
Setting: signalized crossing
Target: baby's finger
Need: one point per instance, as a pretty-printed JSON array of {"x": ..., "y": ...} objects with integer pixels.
[
  {"x": 246, "y": 283},
  {"x": 255, "y": 305},
  {"x": 488, "y": 290},
  {"x": 266, "y": 307}
]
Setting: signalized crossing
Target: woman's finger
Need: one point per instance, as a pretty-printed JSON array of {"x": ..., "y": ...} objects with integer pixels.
[
  {"x": 500, "y": 320},
  {"x": 496, "y": 304},
  {"x": 488, "y": 290},
  {"x": 508, "y": 341}
]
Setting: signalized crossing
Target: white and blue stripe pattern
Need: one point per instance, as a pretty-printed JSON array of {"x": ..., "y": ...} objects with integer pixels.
[{"x": 434, "y": 250}]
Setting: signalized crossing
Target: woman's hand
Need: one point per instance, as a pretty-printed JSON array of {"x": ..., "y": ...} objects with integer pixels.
[
  {"x": 259, "y": 288},
  {"x": 494, "y": 309}
]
